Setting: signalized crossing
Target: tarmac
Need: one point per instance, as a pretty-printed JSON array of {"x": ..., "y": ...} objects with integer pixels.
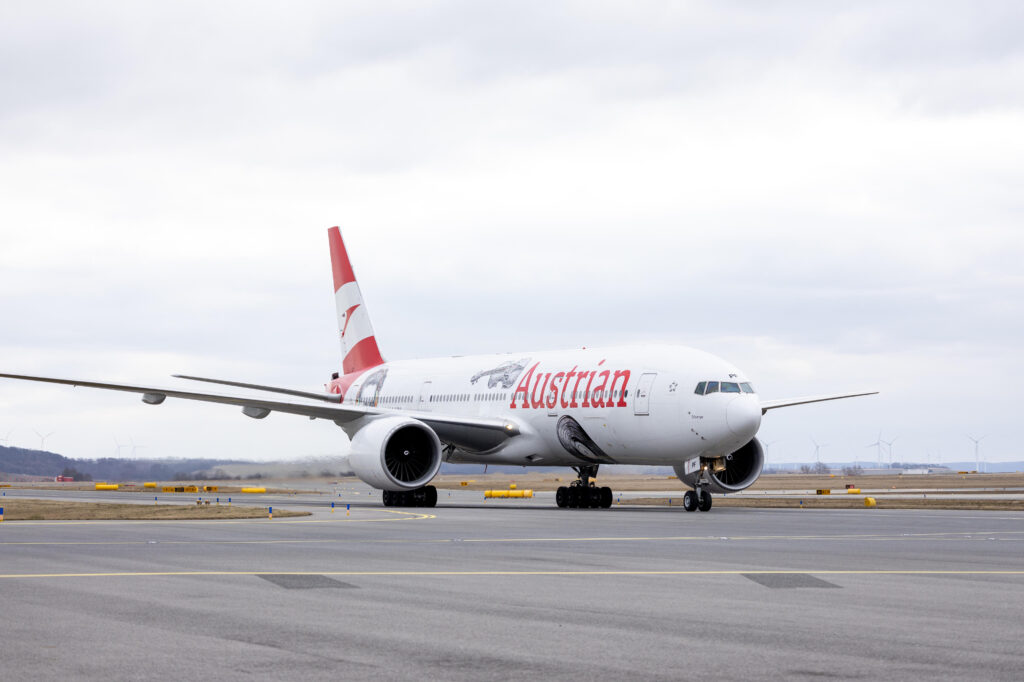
[{"x": 511, "y": 588}]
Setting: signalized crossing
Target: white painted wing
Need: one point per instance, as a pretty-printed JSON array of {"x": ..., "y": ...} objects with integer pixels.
[
  {"x": 467, "y": 432},
  {"x": 789, "y": 402}
]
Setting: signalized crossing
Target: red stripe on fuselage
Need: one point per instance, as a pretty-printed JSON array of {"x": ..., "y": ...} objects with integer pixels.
[{"x": 340, "y": 266}]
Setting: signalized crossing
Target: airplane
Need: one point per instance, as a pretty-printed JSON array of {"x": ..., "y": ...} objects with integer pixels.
[{"x": 655, "y": 405}]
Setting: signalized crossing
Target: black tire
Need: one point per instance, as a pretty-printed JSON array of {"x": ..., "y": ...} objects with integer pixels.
[
  {"x": 574, "y": 497},
  {"x": 385, "y": 497},
  {"x": 562, "y": 497},
  {"x": 606, "y": 498},
  {"x": 704, "y": 502},
  {"x": 430, "y": 497},
  {"x": 690, "y": 501}
]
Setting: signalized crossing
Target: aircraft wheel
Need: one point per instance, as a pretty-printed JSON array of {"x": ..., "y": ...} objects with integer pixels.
[
  {"x": 606, "y": 497},
  {"x": 690, "y": 501},
  {"x": 385, "y": 497},
  {"x": 704, "y": 501},
  {"x": 562, "y": 497},
  {"x": 430, "y": 496},
  {"x": 574, "y": 497}
]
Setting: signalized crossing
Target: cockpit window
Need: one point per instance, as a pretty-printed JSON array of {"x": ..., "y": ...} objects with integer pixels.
[
  {"x": 730, "y": 387},
  {"x": 700, "y": 388},
  {"x": 747, "y": 388},
  {"x": 712, "y": 387}
]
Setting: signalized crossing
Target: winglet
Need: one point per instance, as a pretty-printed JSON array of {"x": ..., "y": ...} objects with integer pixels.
[{"x": 358, "y": 343}]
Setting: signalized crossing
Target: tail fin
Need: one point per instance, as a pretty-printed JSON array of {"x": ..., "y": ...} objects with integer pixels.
[{"x": 358, "y": 344}]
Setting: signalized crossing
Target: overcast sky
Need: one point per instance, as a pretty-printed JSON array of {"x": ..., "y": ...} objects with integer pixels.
[{"x": 828, "y": 195}]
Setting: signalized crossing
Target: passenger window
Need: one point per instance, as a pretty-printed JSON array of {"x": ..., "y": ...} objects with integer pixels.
[
  {"x": 700, "y": 388},
  {"x": 712, "y": 387},
  {"x": 730, "y": 387}
]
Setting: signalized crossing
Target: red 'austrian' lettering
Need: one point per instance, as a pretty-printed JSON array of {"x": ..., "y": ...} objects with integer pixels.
[{"x": 540, "y": 390}]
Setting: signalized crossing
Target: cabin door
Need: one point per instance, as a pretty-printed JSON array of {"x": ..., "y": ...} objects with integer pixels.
[
  {"x": 424, "y": 405},
  {"x": 642, "y": 397}
]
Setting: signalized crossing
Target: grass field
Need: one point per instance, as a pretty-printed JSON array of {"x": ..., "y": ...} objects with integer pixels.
[
  {"x": 768, "y": 482},
  {"x": 57, "y": 510},
  {"x": 842, "y": 502}
]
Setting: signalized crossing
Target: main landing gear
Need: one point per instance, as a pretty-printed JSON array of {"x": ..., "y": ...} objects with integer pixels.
[
  {"x": 421, "y": 497},
  {"x": 582, "y": 493},
  {"x": 697, "y": 499}
]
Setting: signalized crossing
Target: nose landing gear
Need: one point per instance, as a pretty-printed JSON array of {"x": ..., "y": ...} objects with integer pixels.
[{"x": 582, "y": 493}]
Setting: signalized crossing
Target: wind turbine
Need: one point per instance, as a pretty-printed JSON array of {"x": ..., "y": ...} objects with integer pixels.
[
  {"x": 42, "y": 439},
  {"x": 767, "y": 447},
  {"x": 877, "y": 444},
  {"x": 977, "y": 460},
  {"x": 889, "y": 444},
  {"x": 817, "y": 450},
  {"x": 7, "y": 439},
  {"x": 134, "y": 446},
  {"x": 119, "y": 446}
]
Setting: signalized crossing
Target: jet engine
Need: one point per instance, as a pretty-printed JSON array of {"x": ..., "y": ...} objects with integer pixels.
[
  {"x": 395, "y": 453},
  {"x": 729, "y": 473}
]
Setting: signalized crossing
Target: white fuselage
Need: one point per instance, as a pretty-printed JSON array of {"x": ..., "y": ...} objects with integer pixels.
[{"x": 620, "y": 405}]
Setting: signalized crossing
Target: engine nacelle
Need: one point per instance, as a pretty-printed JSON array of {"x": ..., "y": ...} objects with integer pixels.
[
  {"x": 395, "y": 453},
  {"x": 731, "y": 473}
]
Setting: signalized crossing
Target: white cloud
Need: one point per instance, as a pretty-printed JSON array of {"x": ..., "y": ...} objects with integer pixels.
[{"x": 828, "y": 197}]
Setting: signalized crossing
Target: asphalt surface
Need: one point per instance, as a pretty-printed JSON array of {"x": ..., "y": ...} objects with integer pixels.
[{"x": 503, "y": 589}]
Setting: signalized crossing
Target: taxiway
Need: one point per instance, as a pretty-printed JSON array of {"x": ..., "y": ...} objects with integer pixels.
[{"x": 497, "y": 590}]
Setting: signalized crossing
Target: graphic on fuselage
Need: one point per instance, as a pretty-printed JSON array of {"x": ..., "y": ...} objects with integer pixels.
[
  {"x": 578, "y": 444},
  {"x": 369, "y": 392},
  {"x": 504, "y": 374}
]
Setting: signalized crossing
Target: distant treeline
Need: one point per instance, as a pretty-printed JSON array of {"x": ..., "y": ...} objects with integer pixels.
[{"x": 38, "y": 463}]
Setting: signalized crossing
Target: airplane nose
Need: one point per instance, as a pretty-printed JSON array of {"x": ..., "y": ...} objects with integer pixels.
[{"x": 743, "y": 416}]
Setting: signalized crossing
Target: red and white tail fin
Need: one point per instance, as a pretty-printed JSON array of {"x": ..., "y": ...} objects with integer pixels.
[{"x": 358, "y": 344}]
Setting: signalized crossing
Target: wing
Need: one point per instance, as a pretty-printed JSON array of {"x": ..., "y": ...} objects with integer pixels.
[
  {"x": 465, "y": 432},
  {"x": 789, "y": 402}
]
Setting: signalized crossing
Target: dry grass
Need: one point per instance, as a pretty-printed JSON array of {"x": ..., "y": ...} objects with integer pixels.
[
  {"x": 843, "y": 502},
  {"x": 547, "y": 481},
  {"x": 896, "y": 482},
  {"x": 55, "y": 510},
  {"x": 233, "y": 489}
]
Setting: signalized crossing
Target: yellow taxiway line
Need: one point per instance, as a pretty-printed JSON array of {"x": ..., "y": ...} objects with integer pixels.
[
  {"x": 187, "y": 574},
  {"x": 960, "y": 535}
]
